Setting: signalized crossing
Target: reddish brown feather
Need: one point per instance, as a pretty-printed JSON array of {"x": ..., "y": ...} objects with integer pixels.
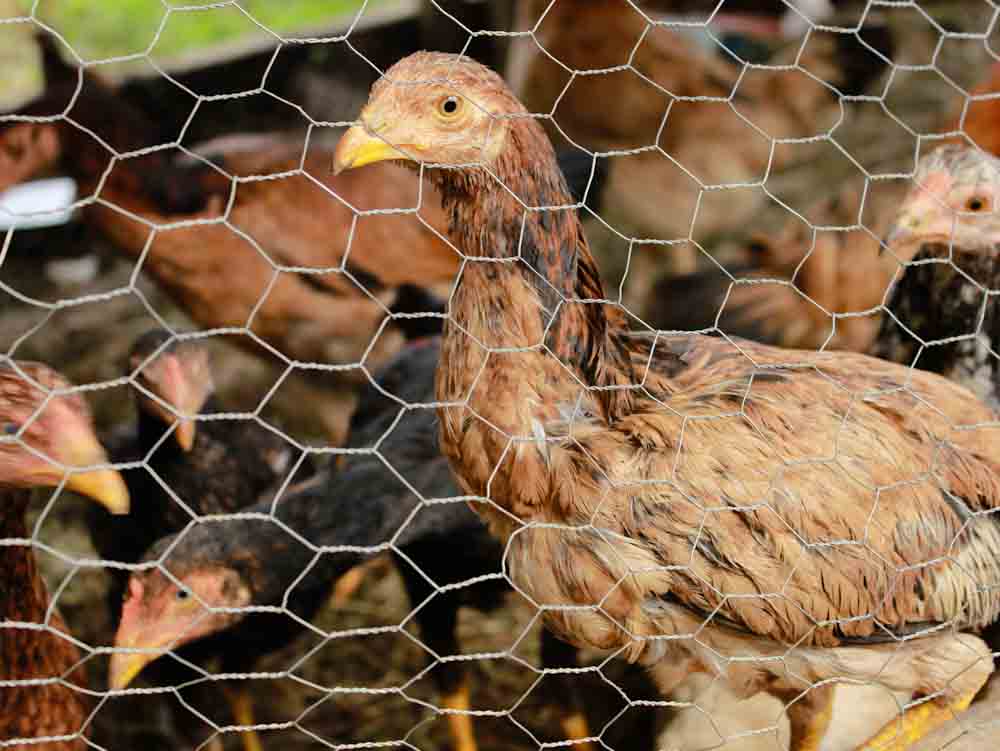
[
  {"x": 36, "y": 711},
  {"x": 829, "y": 284},
  {"x": 301, "y": 220},
  {"x": 756, "y": 496},
  {"x": 982, "y": 116},
  {"x": 298, "y": 216},
  {"x": 51, "y": 709}
]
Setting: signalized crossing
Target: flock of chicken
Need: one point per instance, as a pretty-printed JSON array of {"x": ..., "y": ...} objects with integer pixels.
[{"x": 681, "y": 496}]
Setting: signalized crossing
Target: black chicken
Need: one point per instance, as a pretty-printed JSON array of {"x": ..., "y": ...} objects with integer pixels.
[
  {"x": 188, "y": 466},
  {"x": 445, "y": 554}
]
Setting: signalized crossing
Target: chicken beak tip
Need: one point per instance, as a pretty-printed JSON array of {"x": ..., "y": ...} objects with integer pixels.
[
  {"x": 185, "y": 434},
  {"x": 105, "y": 486},
  {"x": 339, "y": 165},
  {"x": 357, "y": 148},
  {"x": 124, "y": 669}
]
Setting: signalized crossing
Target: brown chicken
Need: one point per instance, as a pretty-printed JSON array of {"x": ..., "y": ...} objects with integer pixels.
[
  {"x": 266, "y": 208},
  {"x": 646, "y": 68},
  {"x": 801, "y": 286},
  {"x": 44, "y": 434},
  {"x": 816, "y": 516},
  {"x": 255, "y": 239},
  {"x": 613, "y": 81},
  {"x": 979, "y": 116}
]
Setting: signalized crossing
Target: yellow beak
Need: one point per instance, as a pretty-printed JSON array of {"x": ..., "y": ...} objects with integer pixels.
[
  {"x": 125, "y": 667},
  {"x": 184, "y": 434},
  {"x": 106, "y": 486},
  {"x": 357, "y": 148}
]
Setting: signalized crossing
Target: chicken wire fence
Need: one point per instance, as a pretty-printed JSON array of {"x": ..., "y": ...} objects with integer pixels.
[{"x": 360, "y": 674}]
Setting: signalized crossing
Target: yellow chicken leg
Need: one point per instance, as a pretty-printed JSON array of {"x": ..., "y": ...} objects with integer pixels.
[
  {"x": 241, "y": 704},
  {"x": 809, "y": 718},
  {"x": 916, "y": 722},
  {"x": 347, "y": 585},
  {"x": 576, "y": 728},
  {"x": 460, "y": 725},
  {"x": 353, "y": 578}
]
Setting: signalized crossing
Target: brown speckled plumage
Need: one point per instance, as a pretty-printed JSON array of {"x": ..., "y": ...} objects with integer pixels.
[
  {"x": 56, "y": 426},
  {"x": 53, "y": 709},
  {"x": 752, "y": 497},
  {"x": 799, "y": 286}
]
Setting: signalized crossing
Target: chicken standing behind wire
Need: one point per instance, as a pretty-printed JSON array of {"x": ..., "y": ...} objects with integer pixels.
[
  {"x": 443, "y": 551},
  {"x": 978, "y": 119},
  {"x": 819, "y": 516},
  {"x": 672, "y": 111},
  {"x": 815, "y": 282},
  {"x": 191, "y": 464},
  {"x": 48, "y": 437},
  {"x": 939, "y": 314},
  {"x": 274, "y": 212},
  {"x": 943, "y": 315}
]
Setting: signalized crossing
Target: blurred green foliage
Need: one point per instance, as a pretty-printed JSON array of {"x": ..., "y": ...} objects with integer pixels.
[{"x": 100, "y": 29}]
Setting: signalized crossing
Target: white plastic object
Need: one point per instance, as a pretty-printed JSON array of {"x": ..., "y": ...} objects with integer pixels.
[
  {"x": 39, "y": 203},
  {"x": 70, "y": 272}
]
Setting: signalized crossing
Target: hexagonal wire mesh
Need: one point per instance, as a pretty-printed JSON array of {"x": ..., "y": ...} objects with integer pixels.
[{"x": 685, "y": 129}]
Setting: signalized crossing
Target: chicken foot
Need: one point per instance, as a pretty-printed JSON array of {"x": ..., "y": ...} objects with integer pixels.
[
  {"x": 916, "y": 722},
  {"x": 347, "y": 585},
  {"x": 241, "y": 704},
  {"x": 576, "y": 729},
  {"x": 809, "y": 717},
  {"x": 573, "y": 720},
  {"x": 459, "y": 720}
]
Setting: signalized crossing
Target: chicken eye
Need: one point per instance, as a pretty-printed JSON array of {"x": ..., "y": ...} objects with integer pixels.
[
  {"x": 975, "y": 204},
  {"x": 450, "y": 105},
  {"x": 183, "y": 594}
]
